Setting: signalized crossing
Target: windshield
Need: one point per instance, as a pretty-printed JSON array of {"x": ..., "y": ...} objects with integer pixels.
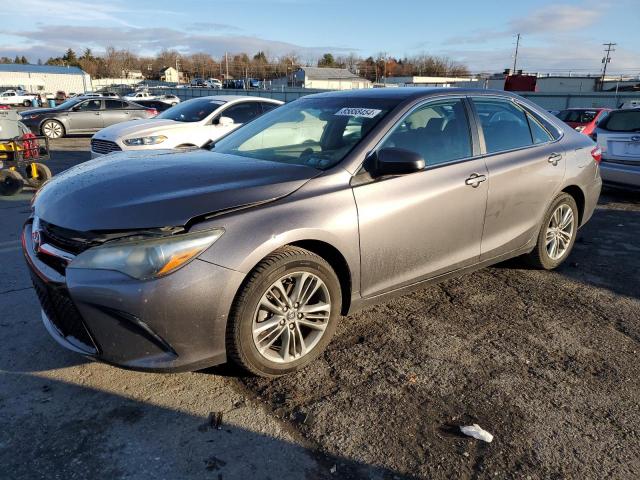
[
  {"x": 318, "y": 132},
  {"x": 69, "y": 103},
  {"x": 578, "y": 116},
  {"x": 192, "y": 110},
  {"x": 622, "y": 121}
]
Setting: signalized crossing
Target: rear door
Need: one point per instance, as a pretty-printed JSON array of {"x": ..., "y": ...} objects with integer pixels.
[
  {"x": 86, "y": 116},
  {"x": 526, "y": 167},
  {"x": 414, "y": 227},
  {"x": 115, "y": 111}
]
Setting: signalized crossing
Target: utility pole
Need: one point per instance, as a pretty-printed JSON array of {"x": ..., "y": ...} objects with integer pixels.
[
  {"x": 606, "y": 60},
  {"x": 226, "y": 62},
  {"x": 515, "y": 56}
]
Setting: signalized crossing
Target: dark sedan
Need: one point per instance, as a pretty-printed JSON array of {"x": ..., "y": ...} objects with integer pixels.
[{"x": 83, "y": 115}]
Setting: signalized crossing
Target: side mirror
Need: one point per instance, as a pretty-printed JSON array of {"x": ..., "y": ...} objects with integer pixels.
[
  {"x": 225, "y": 121},
  {"x": 396, "y": 161}
]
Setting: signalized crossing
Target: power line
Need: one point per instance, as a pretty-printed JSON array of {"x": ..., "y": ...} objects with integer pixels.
[
  {"x": 606, "y": 60},
  {"x": 515, "y": 56}
]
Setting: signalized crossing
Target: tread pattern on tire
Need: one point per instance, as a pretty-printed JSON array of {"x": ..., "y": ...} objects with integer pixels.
[
  {"x": 233, "y": 322},
  {"x": 535, "y": 258}
]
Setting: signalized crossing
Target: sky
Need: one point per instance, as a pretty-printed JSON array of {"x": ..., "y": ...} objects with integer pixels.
[{"x": 555, "y": 36}]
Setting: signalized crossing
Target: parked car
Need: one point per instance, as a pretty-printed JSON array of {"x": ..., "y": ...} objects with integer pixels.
[
  {"x": 583, "y": 119},
  {"x": 169, "y": 99},
  {"x": 194, "y": 123},
  {"x": 251, "y": 252},
  {"x": 214, "y": 83},
  {"x": 630, "y": 104},
  {"x": 83, "y": 115},
  {"x": 141, "y": 95},
  {"x": 17, "y": 97},
  {"x": 618, "y": 136}
]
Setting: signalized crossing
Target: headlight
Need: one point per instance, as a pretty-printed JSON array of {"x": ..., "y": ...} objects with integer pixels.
[
  {"x": 147, "y": 258},
  {"x": 145, "y": 140},
  {"x": 30, "y": 117},
  {"x": 580, "y": 128}
]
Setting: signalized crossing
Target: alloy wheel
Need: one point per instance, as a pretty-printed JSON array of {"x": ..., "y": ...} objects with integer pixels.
[
  {"x": 559, "y": 232},
  {"x": 291, "y": 317},
  {"x": 52, "y": 129}
]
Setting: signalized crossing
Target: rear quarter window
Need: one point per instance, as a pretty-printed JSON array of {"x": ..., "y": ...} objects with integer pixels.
[{"x": 621, "y": 121}]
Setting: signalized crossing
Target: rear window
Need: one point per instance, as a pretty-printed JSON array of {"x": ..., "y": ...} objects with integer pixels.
[
  {"x": 621, "y": 121},
  {"x": 577, "y": 116}
]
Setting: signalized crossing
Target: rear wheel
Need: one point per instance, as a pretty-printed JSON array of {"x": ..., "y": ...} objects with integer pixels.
[
  {"x": 557, "y": 234},
  {"x": 52, "y": 129},
  {"x": 44, "y": 174},
  {"x": 27, "y": 103},
  {"x": 285, "y": 314},
  {"x": 11, "y": 183}
]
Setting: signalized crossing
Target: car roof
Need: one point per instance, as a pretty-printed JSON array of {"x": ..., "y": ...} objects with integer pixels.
[
  {"x": 235, "y": 98},
  {"x": 409, "y": 93}
]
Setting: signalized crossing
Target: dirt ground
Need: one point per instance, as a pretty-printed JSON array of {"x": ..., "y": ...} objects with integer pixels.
[{"x": 545, "y": 361}]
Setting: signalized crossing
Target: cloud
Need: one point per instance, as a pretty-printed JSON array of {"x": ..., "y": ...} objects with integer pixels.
[
  {"x": 148, "y": 41},
  {"x": 554, "y": 19},
  {"x": 551, "y": 20}
]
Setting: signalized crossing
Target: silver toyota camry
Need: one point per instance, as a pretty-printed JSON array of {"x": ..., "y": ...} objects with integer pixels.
[{"x": 252, "y": 251}]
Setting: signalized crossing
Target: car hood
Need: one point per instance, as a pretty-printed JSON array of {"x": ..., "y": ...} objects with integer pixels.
[
  {"x": 38, "y": 111},
  {"x": 141, "y": 127},
  {"x": 153, "y": 189}
]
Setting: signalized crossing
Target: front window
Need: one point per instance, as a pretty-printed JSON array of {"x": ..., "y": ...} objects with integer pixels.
[
  {"x": 438, "y": 131},
  {"x": 192, "y": 110},
  {"x": 317, "y": 132}
]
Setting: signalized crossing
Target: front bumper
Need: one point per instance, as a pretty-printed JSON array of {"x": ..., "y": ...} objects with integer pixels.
[
  {"x": 174, "y": 323},
  {"x": 620, "y": 175}
]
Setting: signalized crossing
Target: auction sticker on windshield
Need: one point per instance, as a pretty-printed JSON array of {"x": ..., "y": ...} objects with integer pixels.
[{"x": 358, "y": 112}]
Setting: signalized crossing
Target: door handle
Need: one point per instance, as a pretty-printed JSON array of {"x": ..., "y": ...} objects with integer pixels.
[
  {"x": 554, "y": 158},
  {"x": 475, "y": 179}
]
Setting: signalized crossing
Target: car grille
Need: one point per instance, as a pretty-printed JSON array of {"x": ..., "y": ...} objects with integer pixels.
[
  {"x": 63, "y": 314},
  {"x": 65, "y": 239},
  {"x": 104, "y": 146}
]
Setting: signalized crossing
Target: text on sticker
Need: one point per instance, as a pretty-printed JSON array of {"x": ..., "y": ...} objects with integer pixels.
[{"x": 358, "y": 112}]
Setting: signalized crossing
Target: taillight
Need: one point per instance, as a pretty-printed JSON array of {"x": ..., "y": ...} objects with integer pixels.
[
  {"x": 596, "y": 153},
  {"x": 152, "y": 112}
]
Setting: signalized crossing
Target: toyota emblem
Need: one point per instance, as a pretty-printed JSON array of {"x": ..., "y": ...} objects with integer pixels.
[{"x": 635, "y": 138}]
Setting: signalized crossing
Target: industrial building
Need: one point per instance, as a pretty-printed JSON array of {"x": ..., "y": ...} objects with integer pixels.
[
  {"x": 44, "y": 78},
  {"x": 419, "y": 81},
  {"x": 324, "y": 78}
]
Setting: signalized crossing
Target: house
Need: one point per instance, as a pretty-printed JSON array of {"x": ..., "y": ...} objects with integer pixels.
[
  {"x": 133, "y": 74},
  {"x": 323, "y": 78},
  {"x": 171, "y": 75}
]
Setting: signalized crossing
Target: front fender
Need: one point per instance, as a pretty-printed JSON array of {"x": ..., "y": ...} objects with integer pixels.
[{"x": 329, "y": 216}]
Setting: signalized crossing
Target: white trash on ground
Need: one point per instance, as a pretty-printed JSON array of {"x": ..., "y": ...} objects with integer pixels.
[{"x": 476, "y": 432}]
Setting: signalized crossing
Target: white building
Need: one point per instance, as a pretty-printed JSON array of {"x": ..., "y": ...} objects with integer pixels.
[
  {"x": 44, "y": 78},
  {"x": 416, "y": 81},
  {"x": 170, "y": 75},
  {"x": 323, "y": 78}
]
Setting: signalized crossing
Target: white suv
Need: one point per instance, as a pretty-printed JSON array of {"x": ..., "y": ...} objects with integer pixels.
[{"x": 194, "y": 123}]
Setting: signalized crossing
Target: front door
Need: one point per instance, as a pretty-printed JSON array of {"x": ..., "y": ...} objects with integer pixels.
[
  {"x": 418, "y": 226},
  {"x": 86, "y": 116}
]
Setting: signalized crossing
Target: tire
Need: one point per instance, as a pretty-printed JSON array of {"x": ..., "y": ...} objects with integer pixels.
[
  {"x": 248, "y": 316},
  {"x": 52, "y": 129},
  {"x": 44, "y": 174},
  {"x": 543, "y": 255},
  {"x": 27, "y": 103},
  {"x": 11, "y": 183}
]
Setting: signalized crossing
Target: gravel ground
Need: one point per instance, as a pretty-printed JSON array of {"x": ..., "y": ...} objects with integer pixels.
[{"x": 545, "y": 361}]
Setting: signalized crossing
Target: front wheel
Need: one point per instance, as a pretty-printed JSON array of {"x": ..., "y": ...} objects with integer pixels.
[
  {"x": 557, "y": 234},
  {"x": 285, "y": 313},
  {"x": 52, "y": 129}
]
